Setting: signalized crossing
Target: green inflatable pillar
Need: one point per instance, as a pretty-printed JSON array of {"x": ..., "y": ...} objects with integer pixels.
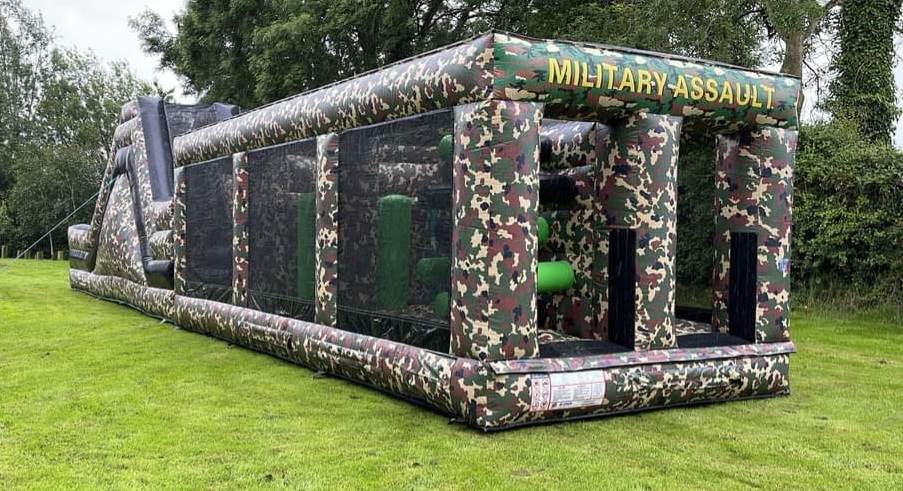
[
  {"x": 545, "y": 231},
  {"x": 446, "y": 148},
  {"x": 393, "y": 251},
  {"x": 434, "y": 271}
]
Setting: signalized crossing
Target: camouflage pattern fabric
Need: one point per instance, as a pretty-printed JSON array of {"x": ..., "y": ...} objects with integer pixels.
[
  {"x": 604, "y": 83},
  {"x": 572, "y": 239},
  {"x": 572, "y": 153},
  {"x": 129, "y": 111},
  {"x": 142, "y": 177},
  {"x": 122, "y": 137},
  {"x": 546, "y": 337},
  {"x": 240, "y": 247},
  {"x": 495, "y": 206},
  {"x": 637, "y": 187},
  {"x": 178, "y": 232},
  {"x": 119, "y": 249},
  {"x": 459, "y": 74},
  {"x": 684, "y": 327},
  {"x": 622, "y": 389},
  {"x": 153, "y": 301},
  {"x": 160, "y": 244},
  {"x": 504, "y": 66},
  {"x": 753, "y": 193},
  {"x": 573, "y": 144},
  {"x": 326, "y": 259}
]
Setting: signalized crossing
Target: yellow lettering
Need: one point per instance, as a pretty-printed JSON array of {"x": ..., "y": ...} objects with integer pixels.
[
  {"x": 680, "y": 89},
  {"x": 769, "y": 92},
  {"x": 576, "y": 80},
  {"x": 743, "y": 101},
  {"x": 755, "y": 97},
  {"x": 559, "y": 74},
  {"x": 711, "y": 90},
  {"x": 697, "y": 92},
  {"x": 627, "y": 80},
  {"x": 586, "y": 82},
  {"x": 661, "y": 79},
  {"x": 644, "y": 81},
  {"x": 598, "y": 76},
  {"x": 727, "y": 93},
  {"x": 611, "y": 70}
]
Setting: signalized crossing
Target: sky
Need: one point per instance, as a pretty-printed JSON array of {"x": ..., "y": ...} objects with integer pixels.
[{"x": 102, "y": 27}]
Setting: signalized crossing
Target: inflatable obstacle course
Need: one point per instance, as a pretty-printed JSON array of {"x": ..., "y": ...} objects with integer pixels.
[{"x": 487, "y": 229}]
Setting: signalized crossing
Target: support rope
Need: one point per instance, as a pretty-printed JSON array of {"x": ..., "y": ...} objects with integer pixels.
[{"x": 61, "y": 222}]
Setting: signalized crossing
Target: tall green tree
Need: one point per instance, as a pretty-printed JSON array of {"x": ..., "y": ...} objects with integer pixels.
[
  {"x": 58, "y": 111},
  {"x": 863, "y": 90},
  {"x": 254, "y": 51},
  {"x": 724, "y": 30},
  {"x": 25, "y": 50}
]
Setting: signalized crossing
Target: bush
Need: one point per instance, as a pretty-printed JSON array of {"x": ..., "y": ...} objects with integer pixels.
[
  {"x": 848, "y": 214},
  {"x": 695, "y": 212}
]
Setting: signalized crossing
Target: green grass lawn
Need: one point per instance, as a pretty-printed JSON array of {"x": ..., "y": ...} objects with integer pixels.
[{"x": 94, "y": 395}]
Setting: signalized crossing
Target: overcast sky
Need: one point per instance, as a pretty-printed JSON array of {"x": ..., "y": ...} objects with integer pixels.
[{"x": 102, "y": 26}]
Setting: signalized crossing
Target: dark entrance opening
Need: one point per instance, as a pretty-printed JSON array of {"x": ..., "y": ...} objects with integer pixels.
[
  {"x": 622, "y": 286},
  {"x": 741, "y": 303}
]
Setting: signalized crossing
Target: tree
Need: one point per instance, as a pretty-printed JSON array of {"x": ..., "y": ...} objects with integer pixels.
[
  {"x": 25, "y": 49},
  {"x": 863, "y": 90},
  {"x": 250, "y": 52},
  {"x": 58, "y": 111},
  {"x": 722, "y": 30}
]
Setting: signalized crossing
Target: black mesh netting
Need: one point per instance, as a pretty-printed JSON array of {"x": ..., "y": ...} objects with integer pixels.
[
  {"x": 395, "y": 227},
  {"x": 186, "y": 118},
  {"x": 282, "y": 229},
  {"x": 208, "y": 230}
]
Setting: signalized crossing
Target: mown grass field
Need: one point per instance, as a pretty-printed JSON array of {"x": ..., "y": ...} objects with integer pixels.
[{"x": 96, "y": 396}]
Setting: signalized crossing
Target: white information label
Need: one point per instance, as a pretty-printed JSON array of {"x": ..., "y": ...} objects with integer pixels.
[{"x": 550, "y": 392}]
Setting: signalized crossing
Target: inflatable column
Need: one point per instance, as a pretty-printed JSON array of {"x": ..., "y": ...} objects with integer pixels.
[
  {"x": 240, "y": 248},
  {"x": 495, "y": 238},
  {"x": 636, "y": 185},
  {"x": 327, "y": 245},
  {"x": 753, "y": 189}
]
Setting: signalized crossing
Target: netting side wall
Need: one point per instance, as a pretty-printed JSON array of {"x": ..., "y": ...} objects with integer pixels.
[
  {"x": 282, "y": 229},
  {"x": 394, "y": 255},
  {"x": 208, "y": 230}
]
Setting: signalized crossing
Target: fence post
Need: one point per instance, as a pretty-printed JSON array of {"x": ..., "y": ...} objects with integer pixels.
[
  {"x": 4, "y": 251},
  {"x": 60, "y": 255}
]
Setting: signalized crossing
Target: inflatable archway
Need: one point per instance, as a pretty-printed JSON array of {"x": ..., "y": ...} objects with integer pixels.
[{"x": 488, "y": 229}]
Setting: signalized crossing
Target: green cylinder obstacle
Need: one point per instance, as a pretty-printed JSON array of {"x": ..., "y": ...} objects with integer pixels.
[
  {"x": 393, "y": 251},
  {"x": 434, "y": 271},
  {"x": 554, "y": 276},
  {"x": 307, "y": 238},
  {"x": 545, "y": 231},
  {"x": 446, "y": 148},
  {"x": 441, "y": 305}
]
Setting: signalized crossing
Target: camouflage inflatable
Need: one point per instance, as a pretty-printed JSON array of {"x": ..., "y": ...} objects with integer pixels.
[{"x": 488, "y": 229}]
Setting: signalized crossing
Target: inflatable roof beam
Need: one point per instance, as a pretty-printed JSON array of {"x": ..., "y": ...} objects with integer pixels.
[{"x": 587, "y": 135}]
